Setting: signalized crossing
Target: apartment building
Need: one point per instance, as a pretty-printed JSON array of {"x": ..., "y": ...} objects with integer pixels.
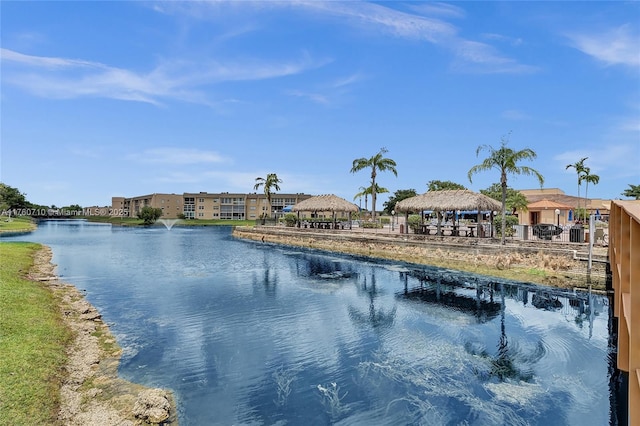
[
  {"x": 204, "y": 205},
  {"x": 171, "y": 205}
]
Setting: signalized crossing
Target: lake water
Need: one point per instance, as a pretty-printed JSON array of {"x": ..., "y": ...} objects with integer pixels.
[{"x": 252, "y": 333}]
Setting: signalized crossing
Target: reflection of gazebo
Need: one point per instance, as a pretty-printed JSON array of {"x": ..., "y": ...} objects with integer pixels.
[
  {"x": 448, "y": 201},
  {"x": 325, "y": 203},
  {"x": 544, "y": 211}
]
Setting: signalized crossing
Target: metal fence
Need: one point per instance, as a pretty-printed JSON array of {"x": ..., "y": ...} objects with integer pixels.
[{"x": 566, "y": 234}]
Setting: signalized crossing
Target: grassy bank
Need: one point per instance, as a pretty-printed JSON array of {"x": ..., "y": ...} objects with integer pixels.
[
  {"x": 16, "y": 224},
  {"x": 32, "y": 342}
]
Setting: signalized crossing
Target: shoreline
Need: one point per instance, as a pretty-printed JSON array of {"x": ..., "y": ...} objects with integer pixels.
[
  {"x": 537, "y": 264},
  {"x": 92, "y": 392}
]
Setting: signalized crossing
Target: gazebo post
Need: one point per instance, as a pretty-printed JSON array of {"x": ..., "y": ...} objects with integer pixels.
[{"x": 406, "y": 222}]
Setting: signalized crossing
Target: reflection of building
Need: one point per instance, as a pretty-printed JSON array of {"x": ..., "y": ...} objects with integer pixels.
[
  {"x": 475, "y": 300},
  {"x": 204, "y": 205},
  {"x": 544, "y": 202}
]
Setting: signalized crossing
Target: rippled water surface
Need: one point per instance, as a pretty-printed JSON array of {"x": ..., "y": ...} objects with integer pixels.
[{"x": 254, "y": 333}]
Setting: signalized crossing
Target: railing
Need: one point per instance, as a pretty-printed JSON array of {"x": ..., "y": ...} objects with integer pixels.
[
  {"x": 564, "y": 234},
  {"x": 624, "y": 260}
]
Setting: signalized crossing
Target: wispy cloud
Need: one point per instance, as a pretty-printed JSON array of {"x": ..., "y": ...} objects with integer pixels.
[
  {"x": 514, "y": 114},
  {"x": 425, "y": 24},
  {"x": 65, "y": 78},
  {"x": 438, "y": 9},
  {"x": 177, "y": 156},
  {"x": 617, "y": 46},
  {"x": 612, "y": 160},
  {"x": 470, "y": 55},
  {"x": 329, "y": 93},
  {"x": 313, "y": 97},
  {"x": 513, "y": 41}
]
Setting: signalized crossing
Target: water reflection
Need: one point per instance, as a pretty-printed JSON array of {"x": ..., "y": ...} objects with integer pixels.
[{"x": 256, "y": 333}]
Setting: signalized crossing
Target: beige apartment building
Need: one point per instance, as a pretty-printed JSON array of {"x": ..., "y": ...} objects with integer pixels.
[
  {"x": 171, "y": 205},
  {"x": 204, "y": 205}
]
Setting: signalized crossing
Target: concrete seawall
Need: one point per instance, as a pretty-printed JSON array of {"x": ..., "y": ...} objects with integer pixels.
[{"x": 549, "y": 263}]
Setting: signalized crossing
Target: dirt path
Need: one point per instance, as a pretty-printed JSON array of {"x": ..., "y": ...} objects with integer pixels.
[{"x": 92, "y": 393}]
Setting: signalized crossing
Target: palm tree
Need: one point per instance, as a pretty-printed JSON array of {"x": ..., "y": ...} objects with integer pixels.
[
  {"x": 589, "y": 178},
  {"x": 506, "y": 161},
  {"x": 377, "y": 163},
  {"x": 579, "y": 166},
  {"x": 363, "y": 192},
  {"x": 633, "y": 192},
  {"x": 369, "y": 191},
  {"x": 269, "y": 183}
]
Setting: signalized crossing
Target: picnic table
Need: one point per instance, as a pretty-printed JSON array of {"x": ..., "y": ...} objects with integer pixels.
[{"x": 452, "y": 230}]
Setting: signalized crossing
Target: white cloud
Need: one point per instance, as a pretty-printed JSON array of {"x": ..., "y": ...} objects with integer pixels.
[
  {"x": 64, "y": 78},
  {"x": 617, "y": 46},
  {"x": 177, "y": 156}
]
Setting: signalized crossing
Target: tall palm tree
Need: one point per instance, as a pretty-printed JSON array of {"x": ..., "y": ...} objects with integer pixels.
[
  {"x": 588, "y": 178},
  {"x": 377, "y": 163},
  {"x": 579, "y": 166},
  {"x": 269, "y": 184},
  {"x": 506, "y": 161}
]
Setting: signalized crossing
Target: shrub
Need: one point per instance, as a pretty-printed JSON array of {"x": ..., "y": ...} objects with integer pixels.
[
  {"x": 511, "y": 221},
  {"x": 290, "y": 219},
  {"x": 414, "y": 221}
]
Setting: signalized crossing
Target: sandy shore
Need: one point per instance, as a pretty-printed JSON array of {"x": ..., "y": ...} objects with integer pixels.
[{"x": 92, "y": 393}]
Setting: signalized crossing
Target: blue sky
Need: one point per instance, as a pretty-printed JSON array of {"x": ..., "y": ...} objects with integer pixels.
[{"x": 103, "y": 99}]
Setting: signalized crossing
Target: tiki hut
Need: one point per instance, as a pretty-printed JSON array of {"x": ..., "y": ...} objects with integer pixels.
[
  {"x": 325, "y": 203},
  {"x": 444, "y": 201}
]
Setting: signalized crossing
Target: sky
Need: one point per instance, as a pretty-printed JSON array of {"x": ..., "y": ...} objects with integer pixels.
[{"x": 126, "y": 98}]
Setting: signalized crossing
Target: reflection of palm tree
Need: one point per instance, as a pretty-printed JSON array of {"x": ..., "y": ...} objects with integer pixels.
[
  {"x": 376, "y": 317},
  {"x": 503, "y": 365}
]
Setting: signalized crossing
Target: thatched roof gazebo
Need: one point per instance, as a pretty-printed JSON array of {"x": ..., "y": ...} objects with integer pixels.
[
  {"x": 452, "y": 200},
  {"x": 325, "y": 203}
]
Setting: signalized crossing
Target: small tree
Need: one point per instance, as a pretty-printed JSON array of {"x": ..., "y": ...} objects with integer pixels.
[
  {"x": 399, "y": 195},
  {"x": 290, "y": 219},
  {"x": 510, "y": 222},
  {"x": 414, "y": 221},
  {"x": 443, "y": 185},
  {"x": 150, "y": 214}
]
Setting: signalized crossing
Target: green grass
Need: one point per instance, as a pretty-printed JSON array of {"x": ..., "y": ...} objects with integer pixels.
[
  {"x": 32, "y": 342},
  {"x": 16, "y": 224}
]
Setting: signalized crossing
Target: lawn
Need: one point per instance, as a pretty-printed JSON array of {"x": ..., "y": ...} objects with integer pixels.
[
  {"x": 32, "y": 342},
  {"x": 16, "y": 224}
]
